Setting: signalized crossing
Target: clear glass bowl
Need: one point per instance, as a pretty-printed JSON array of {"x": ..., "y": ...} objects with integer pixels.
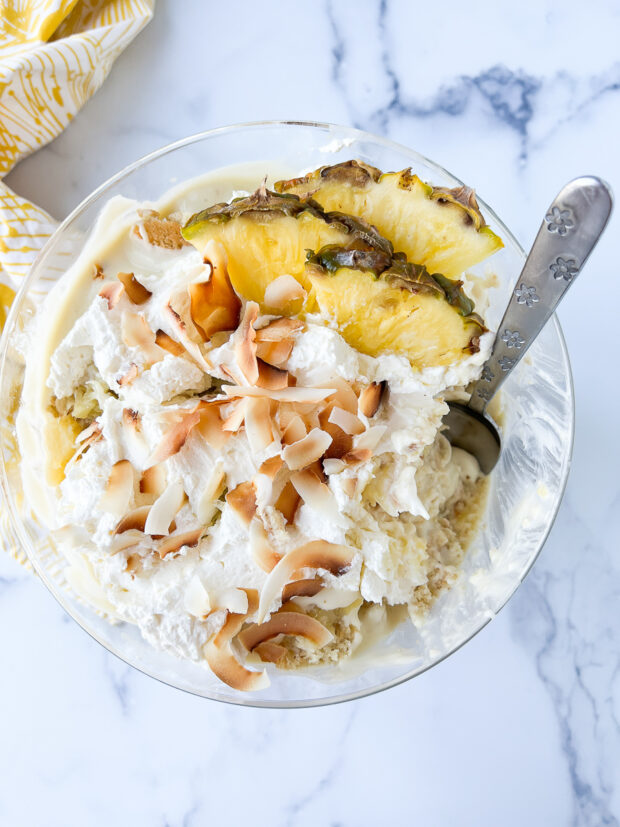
[{"x": 526, "y": 486}]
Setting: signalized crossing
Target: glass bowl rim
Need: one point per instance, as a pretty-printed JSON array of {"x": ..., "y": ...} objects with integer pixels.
[{"x": 16, "y": 521}]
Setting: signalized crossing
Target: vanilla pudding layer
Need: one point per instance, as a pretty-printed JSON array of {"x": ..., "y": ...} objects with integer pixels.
[{"x": 173, "y": 480}]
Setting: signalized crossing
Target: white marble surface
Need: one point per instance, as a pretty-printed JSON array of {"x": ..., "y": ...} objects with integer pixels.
[{"x": 522, "y": 726}]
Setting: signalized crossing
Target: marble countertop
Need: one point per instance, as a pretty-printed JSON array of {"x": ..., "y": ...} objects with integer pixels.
[{"x": 522, "y": 725}]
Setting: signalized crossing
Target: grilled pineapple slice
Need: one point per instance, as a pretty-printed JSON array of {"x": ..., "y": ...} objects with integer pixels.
[
  {"x": 379, "y": 302},
  {"x": 443, "y": 229},
  {"x": 267, "y": 235}
]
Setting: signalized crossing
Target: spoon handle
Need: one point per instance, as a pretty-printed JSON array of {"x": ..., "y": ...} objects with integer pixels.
[{"x": 567, "y": 236}]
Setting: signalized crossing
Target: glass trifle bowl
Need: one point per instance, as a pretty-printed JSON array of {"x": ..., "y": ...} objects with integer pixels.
[{"x": 525, "y": 488}]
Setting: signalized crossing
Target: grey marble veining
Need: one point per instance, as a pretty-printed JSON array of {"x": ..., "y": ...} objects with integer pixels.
[{"x": 521, "y": 726}]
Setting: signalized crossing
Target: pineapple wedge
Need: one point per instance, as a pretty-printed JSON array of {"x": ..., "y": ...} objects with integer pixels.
[
  {"x": 379, "y": 302},
  {"x": 443, "y": 229},
  {"x": 267, "y": 235}
]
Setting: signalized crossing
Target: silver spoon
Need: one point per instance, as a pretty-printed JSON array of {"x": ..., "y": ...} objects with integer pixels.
[{"x": 572, "y": 226}]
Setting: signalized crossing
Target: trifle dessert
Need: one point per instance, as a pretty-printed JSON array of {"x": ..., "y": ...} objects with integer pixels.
[{"x": 231, "y": 418}]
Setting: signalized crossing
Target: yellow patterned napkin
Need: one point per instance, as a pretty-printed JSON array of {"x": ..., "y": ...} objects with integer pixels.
[{"x": 54, "y": 54}]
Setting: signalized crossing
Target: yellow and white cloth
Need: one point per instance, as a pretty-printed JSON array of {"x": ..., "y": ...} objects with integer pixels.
[{"x": 54, "y": 54}]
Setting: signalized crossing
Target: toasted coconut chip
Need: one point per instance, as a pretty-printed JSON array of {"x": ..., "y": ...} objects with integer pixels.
[
  {"x": 288, "y": 502},
  {"x": 242, "y": 500},
  {"x": 136, "y": 292},
  {"x": 175, "y": 542},
  {"x": 258, "y": 423},
  {"x": 97, "y": 272},
  {"x": 135, "y": 332},
  {"x": 167, "y": 343},
  {"x": 318, "y": 554},
  {"x": 132, "y": 432},
  {"x": 275, "y": 353},
  {"x": 214, "y": 305},
  {"x": 342, "y": 443},
  {"x": 234, "y": 601},
  {"x": 349, "y": 486},
  {"x": 282, "y": 292},
  {"x": 135, "y": 520},
  {"x": 296, "y": 624},
  {"x": 211, "y": 427},
  {"x": 284, "y": 395},
  {"x": 272, "y": 378},
  {"x": 112, "y": 292},
  {"x": 128, "y": 377},
  {"x": 234, "y": 622},
  {"x": 263, "y": 553},
  {"x": 235, "y": 416},
  {"x": 271, "y": 466},
  {"x": 357, "y": 456},
  {"x": 133, "y": 563},
  {"x": 317, "y": 470},
  {"x": 305, "y": 587},
  {"x": 89, "y": 434},
  {"x": 227, "y": 668},
  {"x": 176, "y": 437},
  {"x": 270, "y": 652},
  {"x": 307, "y": 450},
  {"x": 245, "y": 344},
  {"x": 196, "y": 598},
  {"x": 345, "y": 397},
  {"x": 370, "y": 438},
  {"x": 122, "y": 542},
  {"x": 316, "y": 494},
  {"x": 181, "y": 331},
  {"x": 153, "y": 480},
  {"x": 348, "y": 422},
  {"x": 371, "y": 397},
  {"x": 164, "y": 509},
  {"x": 278, "y": 330},
  {"x": 294, "y": 431},
  {"x": 119, "y": 488},
  {"x": 206, "y": 507},
  {"x": 333, "y": 466}
]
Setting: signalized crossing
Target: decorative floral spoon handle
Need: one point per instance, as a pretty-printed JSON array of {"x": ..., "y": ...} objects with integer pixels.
[{"x": 567, "y": 236}]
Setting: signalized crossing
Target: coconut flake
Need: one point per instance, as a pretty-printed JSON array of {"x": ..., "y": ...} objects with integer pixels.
[
  {"x": 275, "y": 353},
  {"x": 304, "y": 587},
  {"x": 214, "y": 305},
  {"x": 348, "y": 422},
  {"x": 233, "y": 600},
  {"x": 371, "y": 397},
  {"x": 196, "y": 598},
  {"x": 282, "y": 292},
  {"x": 316, "y": 494},
  {"x": 235, "y": 416},
  {"x": 167, "y": 343},
  {"x": 279, "y": 330},
  {"x": 296, "y": 624},
  {"x": 344, "y": 395},
  {"x": 263, "y": 552},
  {"x": 234, "y": 622},
  {"x": 164, "y": 509},
  {"x": 288, "y": 502},
  {"x": 258, "y": 423},
  {"x": 181, "y": 329},
  {"x": 136, "y": 292},
  {"x": 227, "y": 668},
  {"x": 242, "y": 501},
  {"x": 175, "y": 542},
  {"x": 333, "y": 466},
  {"x": 319, "y": 555},
  {"x": 245, "y": 344},
  {"x": 176, "y": 437},
  {"x": 119, "y": 488},
  {"x": 135, "y": 442},
  {"x": 313, "y": 395},
  {"x": 306, "y": 450},
  {"x": 271, "y": 377},
  {"x": 370, "y": 438},
  {"x": 135, "y": 332},
  {"x": 295, "y": 430},
  {"x": 270, "y": 652},
  {"x": 128, "y": 377},
  {"x": 112, "y": 292},
  {"x": 356, "y": 457},
  {"x": 211, "y": 426},
  {"x": 206, "y": 506},
  {"x": 135, "y": 520},
  {"x": 271, "y": 466},
  {"x": 153, "y": 480}
]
